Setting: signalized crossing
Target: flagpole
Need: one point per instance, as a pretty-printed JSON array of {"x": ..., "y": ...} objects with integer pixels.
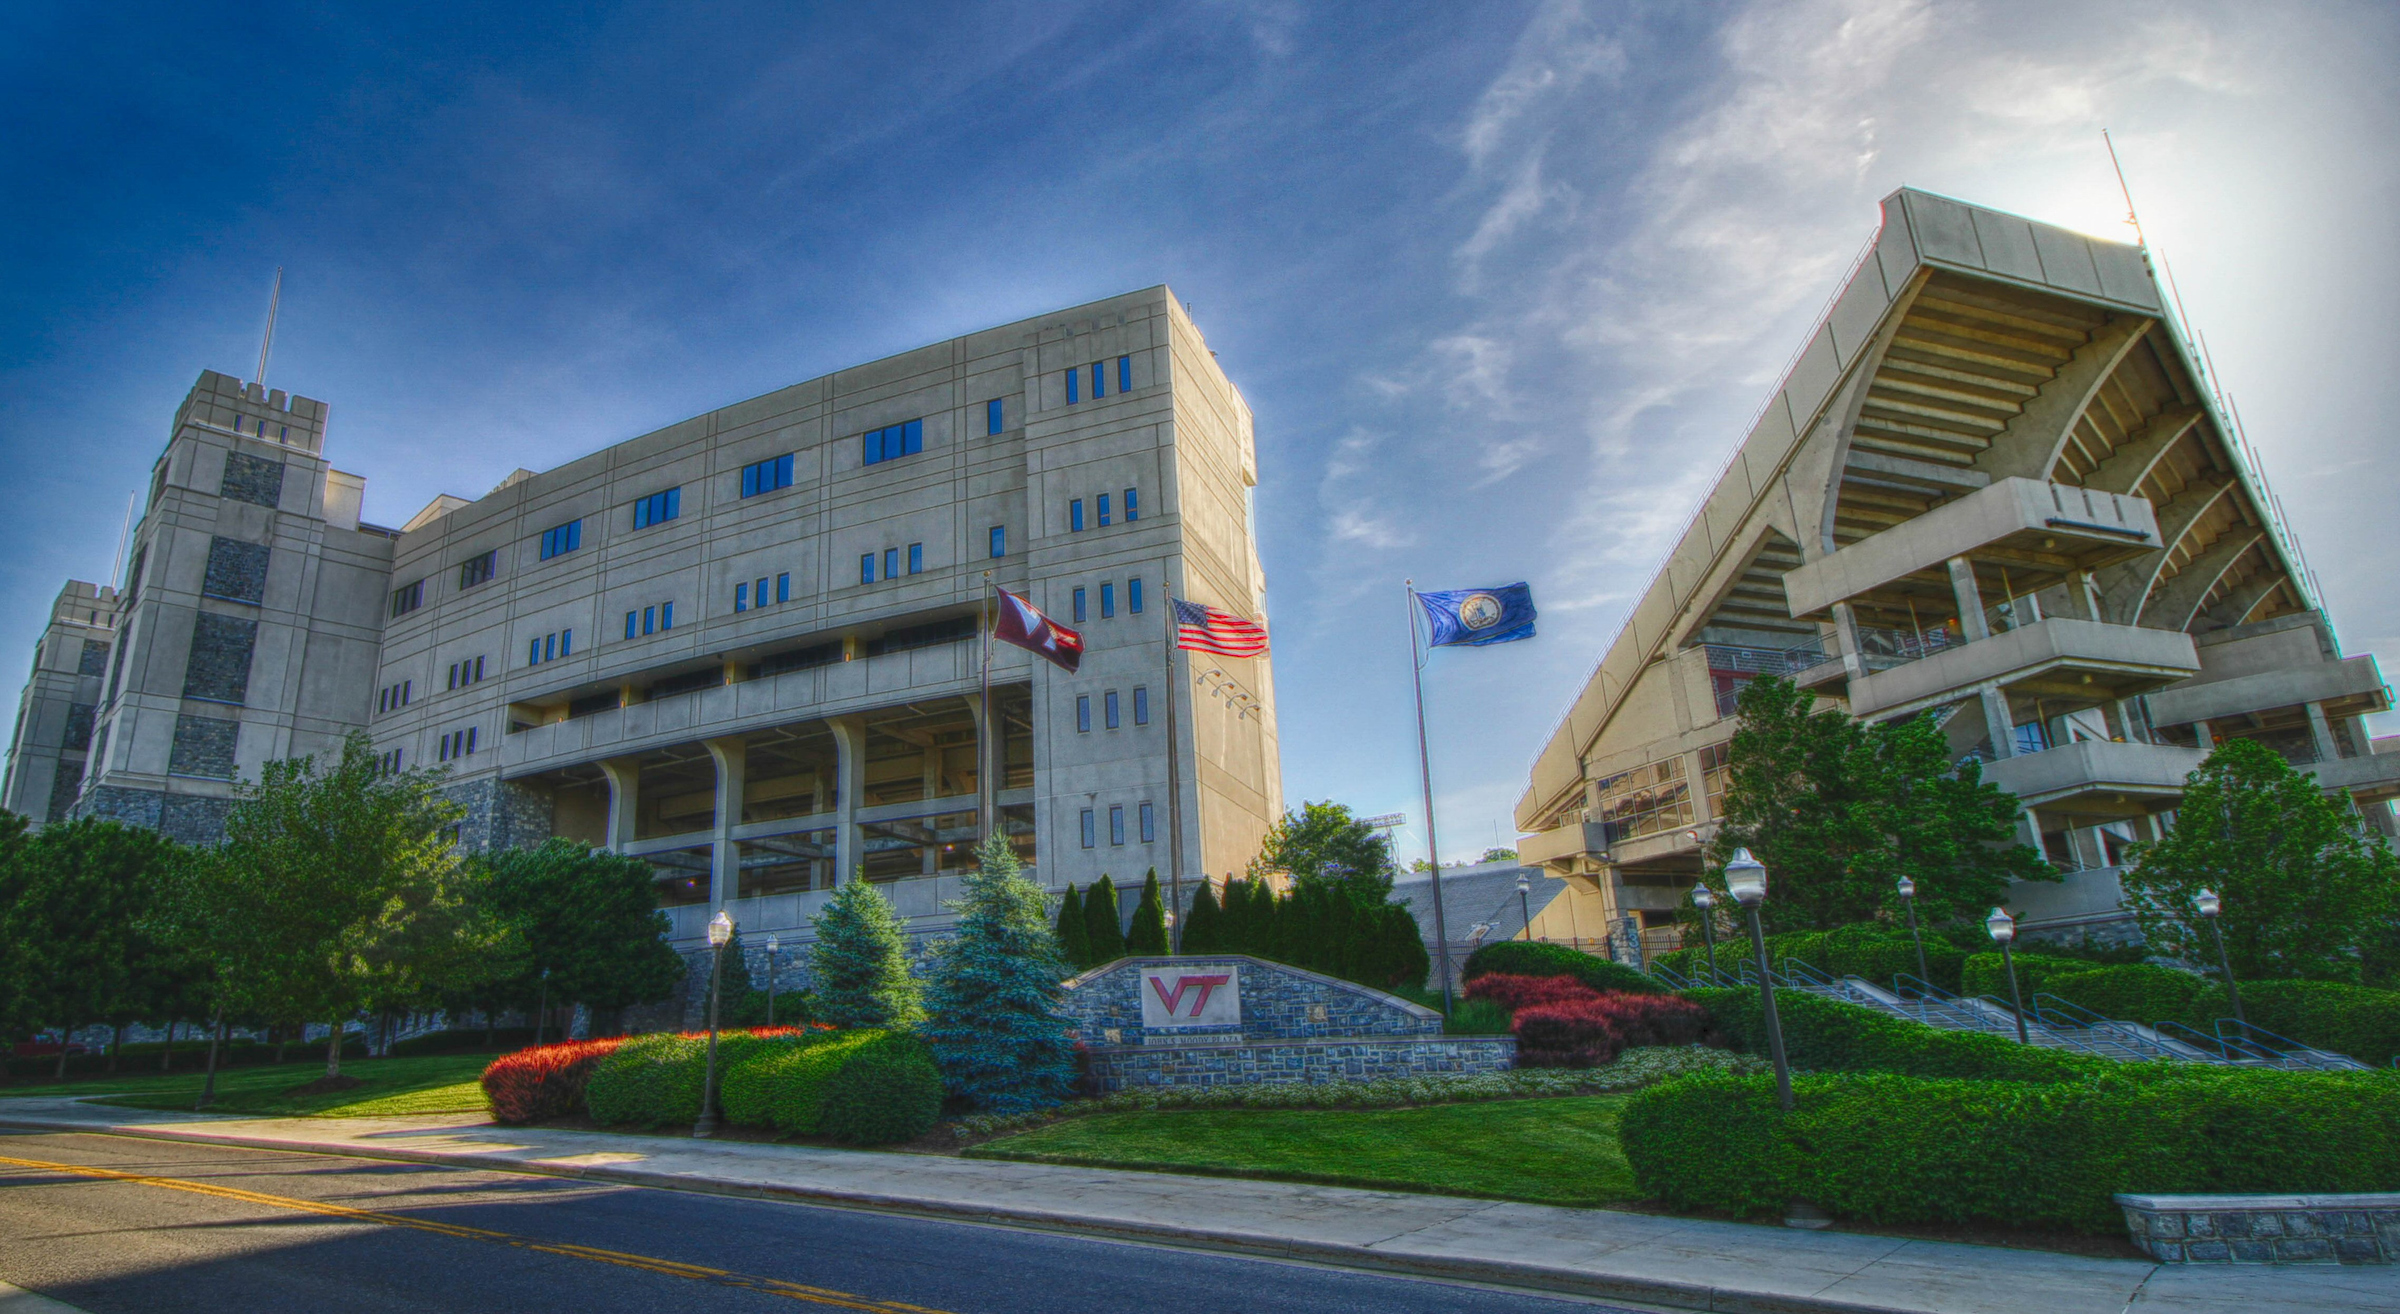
[
  {"x": 1174, "y": 777},
  {"x": 1433, "y": 854},
  {"x": 992, "y": 738}
]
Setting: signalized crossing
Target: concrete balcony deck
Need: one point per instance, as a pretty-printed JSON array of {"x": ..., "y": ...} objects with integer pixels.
[
  {"x": 2119, "y": 661},
  {"x": 2097, "y": 778},
  {"x": 2094, "y": 528},
  {"x": 2350, "y": 680}
]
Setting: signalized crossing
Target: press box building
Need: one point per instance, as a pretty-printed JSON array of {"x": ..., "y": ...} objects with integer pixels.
[
  {"x": 1995, "y": 486},
  {"x": 744, "y": 647}
]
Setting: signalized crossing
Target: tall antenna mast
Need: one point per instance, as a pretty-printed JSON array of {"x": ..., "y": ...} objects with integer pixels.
[
  {"x": 2131, "y": 216},
  {"x": 267, "y": 343}
]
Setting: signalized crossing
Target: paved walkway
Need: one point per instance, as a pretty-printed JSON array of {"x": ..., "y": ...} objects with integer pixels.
[{"x": 1679, "y": 1262}]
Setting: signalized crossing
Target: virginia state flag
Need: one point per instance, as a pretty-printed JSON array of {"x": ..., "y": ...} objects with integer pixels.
[{"x": 1475, "y": 617}]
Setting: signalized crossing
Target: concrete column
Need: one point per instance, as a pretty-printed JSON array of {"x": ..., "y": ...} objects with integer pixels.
[
  {"x": 849, "y": 781},
  {"x": 1997, "y": 720},
  {"x": 2321, "y": 730},
  {"x": 725, "y": 861},
  {"x": 624, "y": 799},
  {"x": 1970, "y": 600}
]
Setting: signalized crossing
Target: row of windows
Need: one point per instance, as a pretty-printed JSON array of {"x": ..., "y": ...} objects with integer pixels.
[
  {"x": 550, "y": 647},
  {"x": 767, "y": 476},
  {"x": 891, "y": 563},
  {"x": 650, "y": 620},
  {"x": 893, "y": 441},
  {"x": 475, "y": 570},
  {"x": 743, "y": 597},
  {"x": 458, "y": 743},
  {"x": 658, "y": 508},
  {"x": 1133, "y": 510},
  {"x": 1108, "y": 599},
  {"x": 1116, "y": 826},
  {"x": 465, "y": 673},
  {"x": 562, "y": 539},
  {"x": 1108, "y": 709},
  {"x": 394, "y": 697},
  {"x": 1099, "y": 373}
]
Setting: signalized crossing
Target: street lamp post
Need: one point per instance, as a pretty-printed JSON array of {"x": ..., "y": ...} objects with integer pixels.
[
  {"x": 2210, "y": 906},
  {"x": 1746, "y": 879},
  {"x": 771, "y": 945},
  {"x": 720, "y": 931},
  {"x": 2003, "y": 929},
  {"x": 1908, "y": 895},
  {"x": 1705, "y": 899},
  {"x": 1525, "y": 903}
]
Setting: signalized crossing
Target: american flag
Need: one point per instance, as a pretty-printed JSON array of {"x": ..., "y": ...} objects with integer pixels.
[{"x": 1206, "y": 629}]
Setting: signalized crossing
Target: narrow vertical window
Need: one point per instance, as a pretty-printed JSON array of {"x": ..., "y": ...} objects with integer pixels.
[
  {"x": 916, "y": 558},
  {"x": 993, "y": 414},
  {"x": 1149, "y": 828},
  {"x": 666, "y": 615},
  {"x": 1116, "y": 812},
  {"x": 891, "y": 563},
  {"x": 1079, "y": 616},
  {"x": 1083, "y": 714},
  {"x": 741, "y": 597},
  {"x": 783, "y": 587},
  {"x": 999, "y": 540},
  {"x": 1072, "y": 379},
  {"x": 1089, "y": 840},
  {"x": 866, "y": 567},
  {"x": 1133, "y": 506},
  {"x": 1108, "y": 709},
  {"x": 1141, "y": 705},
  {"x": 1125, "y": 384},
  {"x": 1133, "y": 595},
  {"x": 1108, "y": 600},
  {"x": 1103, "y": 508},
  {"x": 1075, "y": 516}
]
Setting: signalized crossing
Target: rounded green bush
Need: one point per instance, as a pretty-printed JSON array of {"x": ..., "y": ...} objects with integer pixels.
[
  {"x": 887, "y": 1094},
  {"x": 1534, "y": 958}
]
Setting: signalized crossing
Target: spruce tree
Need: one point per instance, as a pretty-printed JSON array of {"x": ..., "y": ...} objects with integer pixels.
[
  {"x": 860, "y": 962},
  {"x": 992, "y": 993},
  {"x": 1100, "y": 920},
  {"x": 1149, "y": 937},
  {"x": 1204, "y": 923},
  {"x": 1074, "y": 937}
]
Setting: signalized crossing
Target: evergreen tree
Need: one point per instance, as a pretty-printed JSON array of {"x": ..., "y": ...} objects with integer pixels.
[
  {"x": 859, "y": 975},
  {"x": 992, "y": 994},
  {"x": 1074, "y": 936},
  {"x": 1100, "y": 921},
  {"x": 1203, "y": 925},
  {"x": 1149, "y": 936},
  {"x": 2308, "y": 890}
]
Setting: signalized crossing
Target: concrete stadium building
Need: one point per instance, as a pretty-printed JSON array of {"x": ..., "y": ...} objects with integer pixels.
[
  {"x": 744, "y": 647},
  {"x": 1995, "y": 486}
]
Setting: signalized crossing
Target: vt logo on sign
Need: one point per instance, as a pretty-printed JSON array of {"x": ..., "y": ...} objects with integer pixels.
[{"x": 1199, "y": 996}]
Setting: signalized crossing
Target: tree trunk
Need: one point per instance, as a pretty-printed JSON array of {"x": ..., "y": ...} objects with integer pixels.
[
  {"x": 166, "y": 1056},
  {"x": 333, "y": 1051}
]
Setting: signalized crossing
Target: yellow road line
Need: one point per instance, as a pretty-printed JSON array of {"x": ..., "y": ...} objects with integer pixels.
[{"x": 646, "y": 1263}]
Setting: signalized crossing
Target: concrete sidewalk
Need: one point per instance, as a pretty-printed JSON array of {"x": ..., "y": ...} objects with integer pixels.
[{"x": 1679, "y": 1262}]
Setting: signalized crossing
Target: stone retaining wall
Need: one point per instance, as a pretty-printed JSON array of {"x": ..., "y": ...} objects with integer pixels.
[{"x": 2265, "y": 1229}]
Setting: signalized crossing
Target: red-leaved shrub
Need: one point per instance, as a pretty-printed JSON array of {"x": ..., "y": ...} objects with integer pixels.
[
  {"x": 544, "y": 1082},
  {"x": 1561, "y": 1023}
]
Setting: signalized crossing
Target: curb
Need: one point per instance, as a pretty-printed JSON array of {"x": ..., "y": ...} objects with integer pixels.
[{"x": 1531, "y": 1277}]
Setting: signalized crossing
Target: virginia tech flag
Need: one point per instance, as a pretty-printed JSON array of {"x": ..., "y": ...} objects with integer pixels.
[
  {"x": 1023, "y": 624},
  {"x": 1476, "y": 617}
]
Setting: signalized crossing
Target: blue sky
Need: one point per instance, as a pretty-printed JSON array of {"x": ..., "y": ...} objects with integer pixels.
[{"x": 1502, "y": 281}]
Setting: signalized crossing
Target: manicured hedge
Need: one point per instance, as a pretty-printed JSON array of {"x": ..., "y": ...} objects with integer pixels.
[
  {"x": 656, "y": 1080},
  {"x": 1825, "y": 1035},
  {"x": 1864, "y": 949},
  {"x": 1534, "y": 958},
  {"x": 546, "y": 1082},
  {"x": 867, "y": 1086},
  {"x": 1896, "y": 1149}
]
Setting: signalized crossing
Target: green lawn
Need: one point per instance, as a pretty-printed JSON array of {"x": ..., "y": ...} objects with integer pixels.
[
  {"x": 1548, "y": 1151},
  {"x": 438, "y": 1083}
]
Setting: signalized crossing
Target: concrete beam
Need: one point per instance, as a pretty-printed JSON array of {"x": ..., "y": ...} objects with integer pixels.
[
  {"x": 2030, "y": 445},
  {"x": 2174, "y": 606},
  {"x": 2125, "y": 468}
]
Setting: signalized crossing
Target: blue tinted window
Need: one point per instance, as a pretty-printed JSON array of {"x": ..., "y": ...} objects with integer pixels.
[
  {"x": 783, "y": 588},
  {"x": 741, "y": 597},
  {"x": 1073, "y": 378},
  {"x": 999, "y": 540},
  {"x": 993, "y": 414},
  {"x": 1083, "y": 713},
  {"x": 866, "y": 567},
  {"x": 1133, "y": 595},
  {"x": 1103, "y": 508},
  {"x": 1108, "y": 600},
  {"x": 1079, "y": 606},
  {"x": 1108, "y": 708},
  {"x": 916, "y": 558},
  {"x": 1133, "y": 506},
  {"x": 1141, "y": 705},
  {"x": 1075, "y": 515},
  {"x": 1125, "y": 384},
  {"x": 1087, "y": 828}
]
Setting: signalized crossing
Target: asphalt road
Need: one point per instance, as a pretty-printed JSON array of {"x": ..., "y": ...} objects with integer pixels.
[{"x": 109, "y": 1224}]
